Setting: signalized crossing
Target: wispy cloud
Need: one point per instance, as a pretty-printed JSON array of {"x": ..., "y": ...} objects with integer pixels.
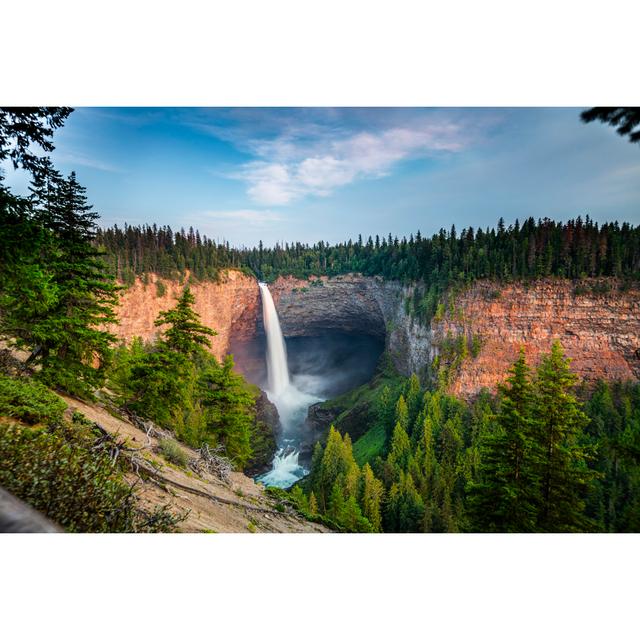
[
  {"x": 337, "y": 163},
  {"x": 296, "y": 156},
  {"x": 76, "y": 159}
]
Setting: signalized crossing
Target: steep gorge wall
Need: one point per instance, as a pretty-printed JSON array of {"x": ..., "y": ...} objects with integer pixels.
[
  {"x": 354, "y": 304},
  {"x": 229, "y": 306},
  {"x": 600, "y": 332}
]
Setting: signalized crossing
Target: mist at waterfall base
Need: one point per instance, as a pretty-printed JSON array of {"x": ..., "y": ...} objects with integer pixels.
[
  {"x": 291, "y": 403},
  {"x": 301, "y": 372}
]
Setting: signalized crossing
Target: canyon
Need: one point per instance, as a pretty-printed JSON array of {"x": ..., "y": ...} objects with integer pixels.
[{"x": 598, "y": 325}]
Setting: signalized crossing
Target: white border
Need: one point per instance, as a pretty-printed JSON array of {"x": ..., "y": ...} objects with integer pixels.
[{"x": 332, "y": 53}]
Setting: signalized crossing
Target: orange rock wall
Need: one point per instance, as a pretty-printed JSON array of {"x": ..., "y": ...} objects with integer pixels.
[
  {"x": 601, "y": 333},
  {"x": 229, "y": 305}
]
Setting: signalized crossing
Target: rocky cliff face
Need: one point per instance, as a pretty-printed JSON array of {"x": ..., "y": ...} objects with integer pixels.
[
  {"x": 230, "y": 306},
  {"x": 599, "y": 331},
  {"x": 354, "y": 304}
]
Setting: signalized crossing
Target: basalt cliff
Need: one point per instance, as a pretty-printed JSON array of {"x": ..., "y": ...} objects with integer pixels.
[{"x": 598, "y": 325}]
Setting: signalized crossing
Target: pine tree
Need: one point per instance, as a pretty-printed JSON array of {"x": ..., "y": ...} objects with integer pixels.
[
  {"x": 228, "y": 403},
  {"x": 371, "y": 498},
  {"x": 313, "y": 504},
  {"x": 507, "y": 494},
  {"x": 156, "y": 383},
  {"x": 27, "y": 290},
  {"x": 563, "y": 470},
  {"x": 185, "y": 334},
  {"x": 404, "y": 510},
  {"x": 400, "y": 450},
  {"x": 70, "y": 340},
  {"x": 402, "y": 413}
]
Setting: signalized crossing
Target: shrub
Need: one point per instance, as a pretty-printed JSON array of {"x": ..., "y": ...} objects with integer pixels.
[
  {"x": 476, "y": 345},
  {"x": 601, "y": 288},
  {"x": 172, "y": 452},
  {"x": 161, "y": 289},
  {"x": 63, "y": 475},
  {"x": 29, "y": 401}
]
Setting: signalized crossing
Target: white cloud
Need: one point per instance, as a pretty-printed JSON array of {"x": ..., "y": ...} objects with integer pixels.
[{"x": 293, "y": 166}]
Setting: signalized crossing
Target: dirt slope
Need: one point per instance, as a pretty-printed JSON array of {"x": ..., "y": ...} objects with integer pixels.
[{"x": 241, "y": 506}]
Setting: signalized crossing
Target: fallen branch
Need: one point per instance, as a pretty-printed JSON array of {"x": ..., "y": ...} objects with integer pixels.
[{"x": 212, "y": 463}]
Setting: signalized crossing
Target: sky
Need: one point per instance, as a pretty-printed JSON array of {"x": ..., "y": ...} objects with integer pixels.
[{"x": 282, "y": 175}]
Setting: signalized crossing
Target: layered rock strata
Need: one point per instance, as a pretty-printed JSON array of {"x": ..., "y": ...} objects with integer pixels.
[{"x": 600, "y": 331}]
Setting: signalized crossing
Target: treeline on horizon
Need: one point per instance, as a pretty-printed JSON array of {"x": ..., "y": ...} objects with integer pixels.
[{"x": 532, "y": 249}]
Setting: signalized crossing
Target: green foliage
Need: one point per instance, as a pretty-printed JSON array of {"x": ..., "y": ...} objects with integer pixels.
[
  {"x": 370, "y": 445},
  {"x": 506, "y": 495},
  {"x": 177, "y": 384},
  {"x": 535, "y": 474},
  {"x": 29, "y": 401},
  {"x": 55, "y": 294},
  {"x": 563, "y": 465},
  {"x": 63, "y": 474},
  {"x": 614, "y": 430},
  {"x": 453, "y": 351},
  {"x": 161, "y": 289},
  {"x": 184, "y": 334},
  {"x": 476, "y": 345},
  {"x": 228, "y": 403},
  {"x": 24, "y": 128},
  {"x": 531, "y": 249},
  {"x": 340, "y": 492},
  {"x": 527, "y": 460},
  {"x": 158, "y": 384},
  {"x": 173, "y": 452}
]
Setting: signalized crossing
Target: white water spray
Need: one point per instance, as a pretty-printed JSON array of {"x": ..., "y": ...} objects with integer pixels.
[{"x": 292, "y": 404}]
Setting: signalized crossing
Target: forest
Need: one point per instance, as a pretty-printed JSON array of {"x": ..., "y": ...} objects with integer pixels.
[
  {"x": 534, "y": 249},
  {"x": 57, "y": 302},
  {"x": 544, "y": 454}
]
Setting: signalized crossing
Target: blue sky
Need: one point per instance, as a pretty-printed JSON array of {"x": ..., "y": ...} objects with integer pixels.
[{"x": 245, "y": 175}]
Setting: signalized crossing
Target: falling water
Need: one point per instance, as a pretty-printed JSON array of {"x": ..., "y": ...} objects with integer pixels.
[
  {"x": 292, "y": 404},
  {"x": 277, "y": 369}
]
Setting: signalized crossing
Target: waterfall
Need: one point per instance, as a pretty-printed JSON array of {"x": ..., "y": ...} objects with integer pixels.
[
  {"x": 277, "y": 370},
  {"x": 292, "y": 404}
]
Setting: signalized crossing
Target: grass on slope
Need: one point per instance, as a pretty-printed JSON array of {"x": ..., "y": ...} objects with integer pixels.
[
  {"x": 359, "y": 408},
  {"x": 370, "y": 445}
]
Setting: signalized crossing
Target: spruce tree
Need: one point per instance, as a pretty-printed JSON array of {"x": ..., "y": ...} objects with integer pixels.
[
  {"x": 185, "y": 333},
  {"x": 70, "y": 340},
  {"x": 562, "y": 468},
  {"x": 228, "y": 405},
  {"x": 404, "y": 512},
  {"x": 27, "y": 289},
  {"x": 371, "y": 498},
  {"x": 506, "y": 496}
]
